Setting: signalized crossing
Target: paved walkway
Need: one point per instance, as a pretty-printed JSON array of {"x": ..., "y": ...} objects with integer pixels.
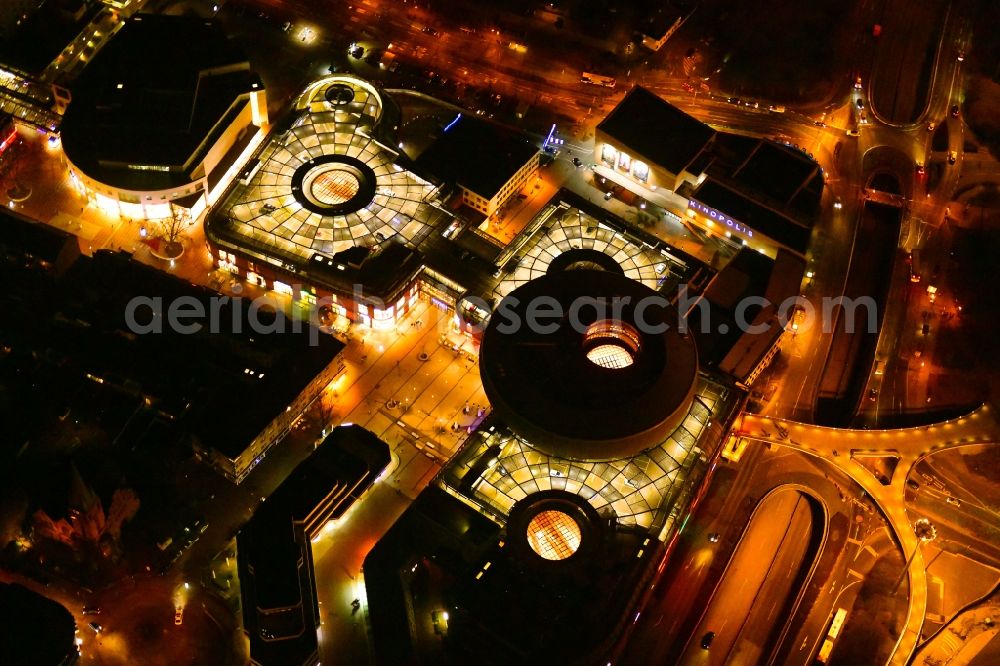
[{"x": 847, "y": 449}]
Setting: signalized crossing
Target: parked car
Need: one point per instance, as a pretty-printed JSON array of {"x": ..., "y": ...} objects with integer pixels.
[
  {"x": 91, "y": 610},
  {"x": 954, "y": 111},
  {"x": 714, "y": 537}
]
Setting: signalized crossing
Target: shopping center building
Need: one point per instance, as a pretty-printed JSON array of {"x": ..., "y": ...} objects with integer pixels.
[
  {"x": 326, "y": 211},
  {"x": 563, "y": 503},
  {"x": 747, "y": 192},
  {"x": 159, "y": 116}
]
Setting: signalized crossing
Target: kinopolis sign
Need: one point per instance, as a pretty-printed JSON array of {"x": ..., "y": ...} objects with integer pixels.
[{"x": 721, "y": 218}]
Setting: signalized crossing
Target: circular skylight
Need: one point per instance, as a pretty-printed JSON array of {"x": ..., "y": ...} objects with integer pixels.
[{"x": 554, "y": 535}]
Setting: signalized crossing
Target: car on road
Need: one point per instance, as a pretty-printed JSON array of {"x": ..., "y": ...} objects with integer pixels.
[
  {"x": 953, "y": 500},
  {"x": 91, "y": 610},
  {"x": 873, "y": 394},
  {"x": 179, "y": 615},
  {"x": 96, "y": 627},
  {"x": 706, "y": 640},
  {"x": 819, "y": 123},
  {"x": 853, "y": 132},
  {"x": 952, "y": 157},
  {"x": 577, "y": 163},
  {"x": 861, "y": 103},
  {"x": 430, "y": 31},
  {"x": 837, "y": 204},
  {"x": 714, "y": 537},
  {"x": 608, "y": 195},
  {"x": 931, "y": 126},
  {"x": 961, "y": 56},
  {"x": 857, "y": 82},
  {"x": 954, "y": 110},
  {"x": 920, "y": 169}
]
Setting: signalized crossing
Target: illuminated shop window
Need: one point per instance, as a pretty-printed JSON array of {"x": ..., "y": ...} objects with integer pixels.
[
  {"x": 283, "y": 288},
  {"x": 609, "y": 155},
  {"x": 640, "y": 171},
  {"x": 554, "y": 535},
  {"x": 382, "y": 315},
  {"x": 227, "y": 262},
  {"x": 624, "y": 162}
]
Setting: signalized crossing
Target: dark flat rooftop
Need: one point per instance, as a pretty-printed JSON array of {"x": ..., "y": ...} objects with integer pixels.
[
  {"x": 151, "y": 96},
  {"x": 21, "y": 237},
  {"x": 746, "y": 275},
  {"x": 273, "y": 548},
  {"x": 34, "y": 630},
  {"x": 782, "y": 228},
  {"x": 660, "y": 20},
  {"x": 479, "y": 155},
  {"x": 656, "y": 130},
  {"x": 776, "y": 171},
  {"x": 780, "y": 175},
  {"x": 198, "y": 378},
  {"x": 38, "y": 40}
]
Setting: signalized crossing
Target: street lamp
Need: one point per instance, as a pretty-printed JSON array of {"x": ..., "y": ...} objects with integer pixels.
[{"x": 925, "y": 532}]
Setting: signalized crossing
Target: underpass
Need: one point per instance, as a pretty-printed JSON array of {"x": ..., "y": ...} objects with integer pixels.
[
  {"x": 760, "y": 587},
  {"x": 905, "y": 59}
]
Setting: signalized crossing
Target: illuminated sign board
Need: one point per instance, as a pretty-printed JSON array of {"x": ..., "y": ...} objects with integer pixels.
[{"x": 721, "y": 218}]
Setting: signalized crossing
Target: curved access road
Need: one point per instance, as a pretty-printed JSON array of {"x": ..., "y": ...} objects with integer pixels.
[{"x": 846, "y": 449}]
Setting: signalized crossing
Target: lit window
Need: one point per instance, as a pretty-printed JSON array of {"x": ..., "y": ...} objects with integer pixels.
[
  {"x": 640, "y": 171},
  {"x": 624, "y": 162},
  {"x": 609, "y": 155}
]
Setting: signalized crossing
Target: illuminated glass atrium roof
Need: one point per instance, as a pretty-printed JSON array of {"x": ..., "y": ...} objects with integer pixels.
[
  {"x": 572, "y": 229},
  {"x": 326, "y": 184},
  {"x": 640, "y": 489}
]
